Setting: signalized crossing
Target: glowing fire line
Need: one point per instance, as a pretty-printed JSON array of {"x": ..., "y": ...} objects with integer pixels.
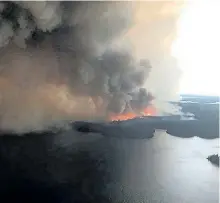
[{"x": 148, "y": 111}]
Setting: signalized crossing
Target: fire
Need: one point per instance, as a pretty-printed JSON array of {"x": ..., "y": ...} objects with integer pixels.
[{"x": 148, "y": 111}]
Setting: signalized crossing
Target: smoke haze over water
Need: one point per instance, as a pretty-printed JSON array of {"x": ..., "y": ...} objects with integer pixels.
[{"x": 83, "y": 60}]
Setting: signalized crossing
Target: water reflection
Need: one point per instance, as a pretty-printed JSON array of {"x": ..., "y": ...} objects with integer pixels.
[
  {"x": 167, "y": 169},
  {"x": 74, "y": 168}
]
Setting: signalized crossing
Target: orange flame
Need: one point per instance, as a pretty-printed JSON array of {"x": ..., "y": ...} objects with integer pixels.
[{"x": 148, "y": 111}]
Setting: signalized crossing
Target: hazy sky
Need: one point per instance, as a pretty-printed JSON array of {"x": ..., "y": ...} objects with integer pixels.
[{"x": 197, "y": 47}]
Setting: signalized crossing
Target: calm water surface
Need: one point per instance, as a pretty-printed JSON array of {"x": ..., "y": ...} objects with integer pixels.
[
  {"x": 164, "y": 169},
  {"x": 92, "y": 168}
]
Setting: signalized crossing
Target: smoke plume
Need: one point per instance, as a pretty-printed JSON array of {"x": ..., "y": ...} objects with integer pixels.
[{"x": 64, "y": 61}]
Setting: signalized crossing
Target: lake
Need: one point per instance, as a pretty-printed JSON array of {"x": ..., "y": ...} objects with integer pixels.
[
  {"x": 72, "y": 167},
  {"x": 165, "y": 169}
]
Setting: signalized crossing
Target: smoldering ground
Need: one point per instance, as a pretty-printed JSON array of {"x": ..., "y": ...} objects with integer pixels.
[{"x": 78, "y": 60}]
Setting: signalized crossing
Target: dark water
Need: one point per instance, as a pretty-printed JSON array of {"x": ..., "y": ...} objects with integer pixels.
[
  {"x": 74, "y": 168},
  {"x": 168, "y": 169},
  {"x": 163, "y": 169}
]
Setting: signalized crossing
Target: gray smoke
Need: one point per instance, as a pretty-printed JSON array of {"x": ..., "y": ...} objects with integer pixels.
[{"x": 59, "y": 62}]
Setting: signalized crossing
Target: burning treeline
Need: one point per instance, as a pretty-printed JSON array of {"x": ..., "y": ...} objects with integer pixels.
[{"x": 83, "y": 60}]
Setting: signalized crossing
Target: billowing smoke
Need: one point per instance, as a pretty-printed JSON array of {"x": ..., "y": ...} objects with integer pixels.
[{"x": 67, "y": 61}]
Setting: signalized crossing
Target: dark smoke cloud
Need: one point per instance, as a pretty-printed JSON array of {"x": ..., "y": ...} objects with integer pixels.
[{"x": 58, "y": 63}]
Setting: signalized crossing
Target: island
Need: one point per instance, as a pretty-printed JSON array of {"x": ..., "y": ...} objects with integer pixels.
[{"x": 214, "y": 159}]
